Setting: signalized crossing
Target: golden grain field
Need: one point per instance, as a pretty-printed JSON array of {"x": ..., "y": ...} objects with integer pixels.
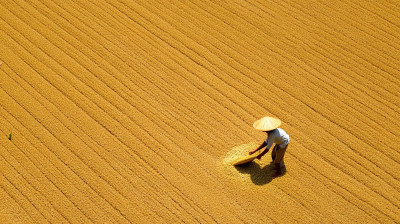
[{"x": 130, "y": 111}]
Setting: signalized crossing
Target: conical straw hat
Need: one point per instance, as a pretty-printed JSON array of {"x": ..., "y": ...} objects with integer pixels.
[{"x": 267, "y": 124}]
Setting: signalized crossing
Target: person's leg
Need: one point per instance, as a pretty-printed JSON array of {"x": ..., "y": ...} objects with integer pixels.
[
  {"x": 273, "y": 153},
  {"x": 280, "y": 153}
]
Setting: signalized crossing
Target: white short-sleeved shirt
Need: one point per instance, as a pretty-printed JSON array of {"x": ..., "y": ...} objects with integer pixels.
[{"x": 279, "y": 137}]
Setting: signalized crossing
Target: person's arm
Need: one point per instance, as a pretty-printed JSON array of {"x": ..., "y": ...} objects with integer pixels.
[
  {"x": 259, "y": 147},
  {"x": 268, "y": 143},
  {"x": 263, "y": 153}
]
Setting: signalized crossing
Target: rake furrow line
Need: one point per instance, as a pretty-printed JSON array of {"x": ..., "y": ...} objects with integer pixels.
[
  {"x": 288, "y": 39},
  {"x": 338, "y": 67},
  {"x": 351, "y": 156},
  {"x": 62, "y": 91},
  {"x": 343, "y": 111},
  {"x": 70, "y": 166},
  {"x": 31, "y": 193},
  {"x": 58, "y": 159},
  {"x": 340, "y": 17},
  {"x": 204, "y": 55},
  {"x": 109, "y": 130},
  {"x": 106, "y": 199},
  {"x": 305, "y": 204},
  {"x": 369, "y": 29},
  {"x": 166, "y": 88},
  {"x": 315, "y": 49},
  {"x": 344, "y": 38},
  {"x": 344, "y": 197},
  {"x": 37, "y": 73},
  {"x": 47, "y": 177},
  {"x": 336, "y": 109},
  {"x": 361, "y": 153},
  {"x": 194, "y": 63},
  {"x": 98, "y": 193},
  {"x": 339, "y": 91},
  {"x": 339, "y": 110},
  {"x": 369, "y": 179},
  {"x": 23, "y": 214},
  {"x": 316, "y": 185},
  {"x": 53, "y": 208},
  {"x": 33, "y": 214},
  {"x": 382, "y": 100},
  {"x": 80, "y": 176},
  {"x": 82, "y": 140},
  {"x": 325, "y": 159},
  {"x": 387, "y": 8},
  {"x": 388, "y": 17},
  {"x": 319, "y": 36},
  {"x": 50, "y": 174},
  {"x": 395, "y": 59}
]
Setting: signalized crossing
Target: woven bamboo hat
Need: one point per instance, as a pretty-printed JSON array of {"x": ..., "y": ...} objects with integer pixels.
[{"x": 267, "y": 124}]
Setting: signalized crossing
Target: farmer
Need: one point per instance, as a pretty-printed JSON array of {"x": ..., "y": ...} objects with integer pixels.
[{"x": 275, "y": 135}]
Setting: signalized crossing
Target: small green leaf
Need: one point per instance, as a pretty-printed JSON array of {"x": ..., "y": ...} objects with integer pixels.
[{"x": 9, "y": 136}]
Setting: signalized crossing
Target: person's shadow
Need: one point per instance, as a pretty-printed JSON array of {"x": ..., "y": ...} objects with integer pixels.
[{"x": 260, "y": 175}]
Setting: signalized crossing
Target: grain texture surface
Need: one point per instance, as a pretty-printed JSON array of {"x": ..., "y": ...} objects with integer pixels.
[{"x": 131, "y": 111}]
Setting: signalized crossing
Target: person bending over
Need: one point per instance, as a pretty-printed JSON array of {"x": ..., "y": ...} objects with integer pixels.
[{"x": 276, "y": 135}]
